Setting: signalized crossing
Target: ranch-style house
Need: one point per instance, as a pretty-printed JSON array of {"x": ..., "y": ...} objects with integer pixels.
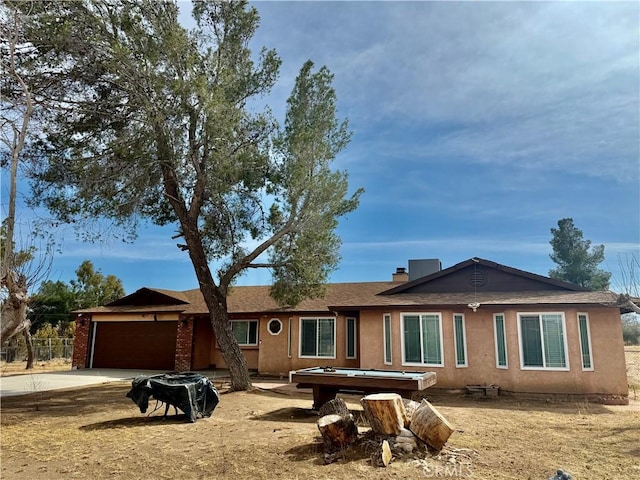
[{"x": 475, "y": 323}]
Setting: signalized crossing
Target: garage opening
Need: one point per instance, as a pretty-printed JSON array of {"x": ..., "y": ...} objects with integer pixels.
[{"x": 142, "y": 345}]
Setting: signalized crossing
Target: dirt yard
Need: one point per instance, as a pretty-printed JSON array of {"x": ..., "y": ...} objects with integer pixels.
[{"x": 98, "y": 433}]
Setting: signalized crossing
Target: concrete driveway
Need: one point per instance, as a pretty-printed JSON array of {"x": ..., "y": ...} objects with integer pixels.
[{"x": 40, "y": 382}]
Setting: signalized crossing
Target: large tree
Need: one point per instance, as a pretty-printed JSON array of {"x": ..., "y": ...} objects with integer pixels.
[
  {"x": 577, "y": 260},
  {"x": 162, "y": 123},
  {"x": 17, "y": 109}
]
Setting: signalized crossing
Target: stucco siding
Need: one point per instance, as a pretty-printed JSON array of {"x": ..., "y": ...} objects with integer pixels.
[{"x": 607, "y": 353}]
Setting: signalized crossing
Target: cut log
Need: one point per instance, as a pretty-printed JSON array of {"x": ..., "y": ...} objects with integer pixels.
[
  {"x": 337, "y": 432},
  {"x": 386, "y": 453},
  {"x": 430, "y": 426},
  {"x": 384, "y": 412},
  {"x": 336, "y": 406},
  {"x": 410, "y": 406}
]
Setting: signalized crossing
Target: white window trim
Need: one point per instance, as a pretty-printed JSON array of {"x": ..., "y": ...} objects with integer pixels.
[
  {"x": 257, "y": 332},
  {"x": 269, "y": 328},
  {"x": 504, "y": 338},
  {"x": 289, "y": 337},
  {"x": 384, "y": 340},
  {"x": 355, "y": 338},
  {"x": 544, "y": 361},
  {"x": 588, "y": 323},
  {"x": 464, "y": 340},
  {"x": 421, "y": 364},
  {"x": 317, "y": 339}
]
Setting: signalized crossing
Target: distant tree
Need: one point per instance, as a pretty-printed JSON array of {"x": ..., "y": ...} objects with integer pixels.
[
  {"x": 629, "y": 284},
  {"x": 631, "y": 329},
  {"x": 577, "y": 260},
  {"x": 91, "y": 288},
  {"x": 52, "y": 304},
  {"x": 162, "y": 123},
  {"x": 54, "y": 301}
]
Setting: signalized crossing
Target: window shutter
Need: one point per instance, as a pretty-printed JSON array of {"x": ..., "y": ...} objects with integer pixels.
[
  {"x": 553, "y": 341},
  {"x": 387, "y": 339},
  {"x": 308, "y": 338},
  {"x": 412, "y": 339},
  {"x": 326, "y": 339},
  {"x": 584, "y": 342},
  {"x": 531, "y": 341},
  {"x": 459, "y": 333},
  {"x": 500, "y": 342},
  {"x": 431, "y": 338}
]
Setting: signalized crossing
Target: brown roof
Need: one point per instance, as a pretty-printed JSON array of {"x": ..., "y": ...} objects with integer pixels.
[
  {"x": 486, "y": 298},
  {"x": 352, "y": 296}
]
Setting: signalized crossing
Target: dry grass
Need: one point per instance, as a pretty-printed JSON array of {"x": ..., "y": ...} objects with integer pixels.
[
  {"x": 20, "y": 368},
  {"x": 97, "y": 433},
  {"x": 632, "y": 357}
]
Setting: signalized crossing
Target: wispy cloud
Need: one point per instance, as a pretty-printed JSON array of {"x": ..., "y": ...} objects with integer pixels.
[{"x": 538, "y": 85}]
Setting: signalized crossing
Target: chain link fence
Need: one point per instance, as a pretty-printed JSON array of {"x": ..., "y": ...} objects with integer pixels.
[
  {"x": 43, "y": 349},
  {"x": 632, "y": 356}
]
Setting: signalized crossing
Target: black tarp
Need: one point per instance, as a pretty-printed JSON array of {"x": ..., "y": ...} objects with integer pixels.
[{"x": 193, "y": 393}]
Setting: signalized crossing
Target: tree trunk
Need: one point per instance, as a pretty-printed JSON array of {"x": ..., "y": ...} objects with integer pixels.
[
  {"x": 430, "y": 426},
  {"x": 230, "y": 350},
  {"x": 29, "y": 344},
  {"x": 215, "y": 296},
  {"x": 384, "y": 412},
  {"x": 15, "y": 309},
  {"x": 14, "y": 313}
]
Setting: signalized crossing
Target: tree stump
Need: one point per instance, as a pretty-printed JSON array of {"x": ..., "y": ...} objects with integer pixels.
[
  {"x": 336, "y": 406},
  {"x": 430, "y": 426},
  {"x": 337, "y": 432},
  {"x": 384, "y": 412},
  {"x": 410, "y": 406}
]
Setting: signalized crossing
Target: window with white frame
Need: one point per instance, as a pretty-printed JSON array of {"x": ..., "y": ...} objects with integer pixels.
[
  {"x": 501, "y": 340},
  {"x": 387, "y": 339},
  {"x": 245, "y": 331},
  {"x": 585, "y": 341},
  {"x": 289, "y": 337},
  {"x": 318, "y": 337},
  {"x": 351, "y": 338},
  {"x": 542, "y": 341},
  {"x": 460, "y": 338},
  {"x": 422, "y": 339}
]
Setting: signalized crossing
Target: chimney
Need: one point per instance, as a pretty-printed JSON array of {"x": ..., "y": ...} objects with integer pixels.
[
  {"x": 401, "y": 275},
  {"x": 424, "y": 267}
]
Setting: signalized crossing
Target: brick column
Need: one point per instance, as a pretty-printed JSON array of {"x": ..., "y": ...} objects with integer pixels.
[
  {"x": 81, "y": 342},
  {"x": 184, "y": 341}
]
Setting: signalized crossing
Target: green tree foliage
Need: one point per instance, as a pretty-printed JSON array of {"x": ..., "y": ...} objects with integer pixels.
[
  {"x": 54, "y": 301},
  {"x": 51, "y": 304},
  {"x": 91, "y": 288},
  {"x": 577, "y": 260},
  {"x": 153, "y": 123}
]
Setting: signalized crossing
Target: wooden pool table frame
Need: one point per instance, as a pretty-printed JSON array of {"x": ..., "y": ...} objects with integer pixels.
[{"x": 326, "y": 384}]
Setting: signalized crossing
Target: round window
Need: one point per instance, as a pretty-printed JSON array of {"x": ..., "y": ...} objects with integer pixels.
[{"x": 274, "y": 326}]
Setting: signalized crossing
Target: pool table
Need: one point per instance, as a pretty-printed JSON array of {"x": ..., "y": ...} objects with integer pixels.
[{"x": 327, "y": 382}]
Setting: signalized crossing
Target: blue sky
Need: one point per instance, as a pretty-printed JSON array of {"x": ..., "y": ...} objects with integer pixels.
[{"x": 477, "y": 126}]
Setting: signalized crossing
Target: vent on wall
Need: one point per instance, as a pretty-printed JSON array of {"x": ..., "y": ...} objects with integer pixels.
[{"x": 477, "y": 279}]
